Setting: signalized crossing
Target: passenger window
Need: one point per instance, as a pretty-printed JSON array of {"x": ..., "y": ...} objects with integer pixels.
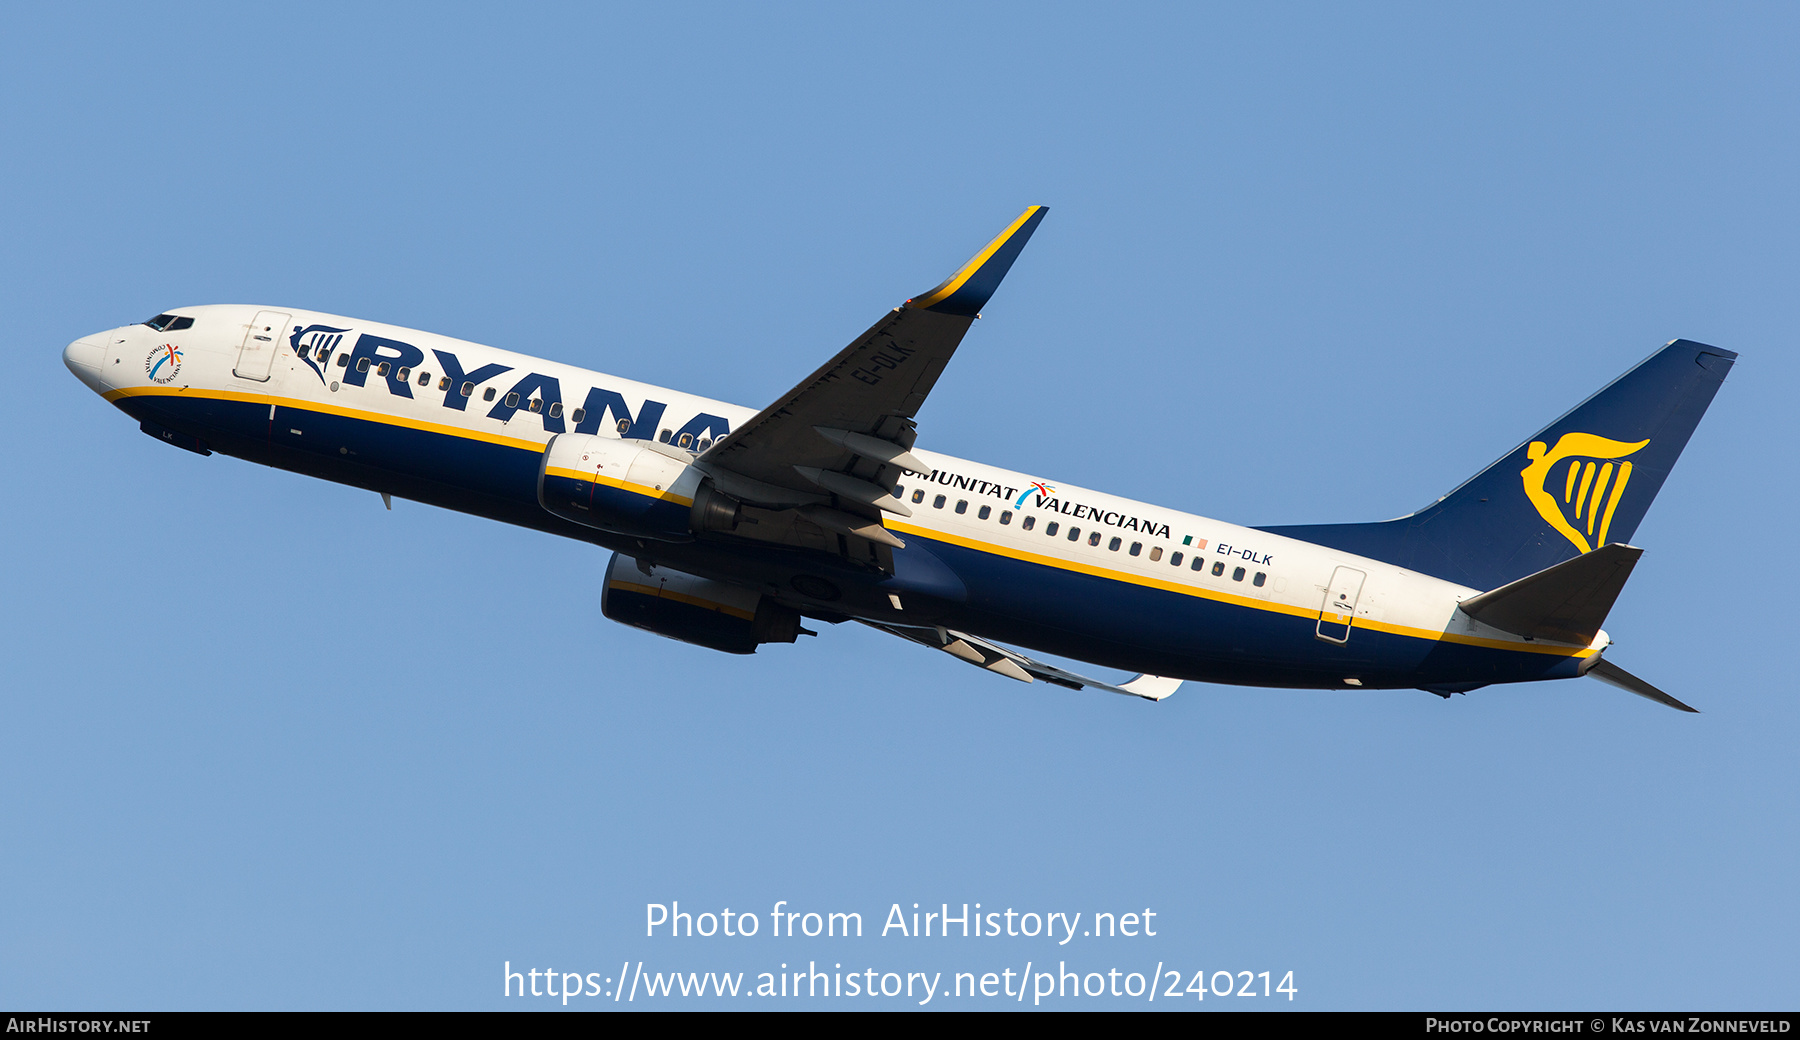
[
  {"x": 362, "y": 364},
  {"x": 1094, "y": 539},
  {"x": 424, "y": 378},
  {"x": 665, "y": 435},
  {"x": 1137, "y": 547},
  {"x": 1005, "y": 516},
  {"x": 578, "y": 414},
  {"x": 1114, "y": 544},
  {"x": 962, "y": 505},
  {"x": 623, "y": 426},
  {"x": 512, "y": 399},
  {"x": 1074, "y": 534},
  {"x": 444, "y": 384},
  {"x": 536, "y": 405},
  {"x": 488, "y": 394},
  {"x": 1155, "y": 553},
  {"x": 706, "y": 442},
  {"x": 323, "y": 352},
  {"x": 986, "y": 511},
  {"x": 1174, "y": 557},
  {"x": 556, "y": 409},
  {"x": 684, "y": 440},
  {"x": 1199, "y": 564},
  {"x": 1050, "y": 530},
  {"x": 1259, "y": 579},
  {"x": 919, "y": 496},
  {"x": 1028, "y": 523},
  {"x": 1237, "y": 575},
  {"x": 343, "y": 361},
  {"x": 468, "y": 389},
  {"x": 1218, "y": 569},
  {"x": 938, "y": 502},
  {"x": 403, "y": 375}
]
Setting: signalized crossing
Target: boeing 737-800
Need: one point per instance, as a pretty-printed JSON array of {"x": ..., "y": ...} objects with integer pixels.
[{"x": 730, "y": 526}]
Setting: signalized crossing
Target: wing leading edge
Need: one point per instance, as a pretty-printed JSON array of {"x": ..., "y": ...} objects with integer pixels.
[{"x": 846, "y": 430}]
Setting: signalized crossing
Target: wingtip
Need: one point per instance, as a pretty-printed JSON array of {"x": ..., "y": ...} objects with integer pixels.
[
  {"x": 1151, "y": 687},
  {"x": 969, "y": 289}
]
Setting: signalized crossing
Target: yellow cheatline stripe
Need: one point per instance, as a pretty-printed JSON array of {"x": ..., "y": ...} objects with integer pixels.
[
  {"x": 613, "y": 482},
  {"x": 1226, "y": 597},
  {"x": 385, "y": 418},
  {"x": 696, "y": 601},
  {"x": 388, "y": 419},
  {"x": 967, "y": 543},
  {"x": 967, "y": 271}
]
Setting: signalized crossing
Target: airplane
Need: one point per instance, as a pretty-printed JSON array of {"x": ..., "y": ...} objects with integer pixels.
[{"x": 731, "y": 527}]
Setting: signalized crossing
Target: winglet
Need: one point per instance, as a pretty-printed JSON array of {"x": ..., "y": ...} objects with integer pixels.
[
  {"x": 968, "y": 290},
  {"x": 1150, "y": 687}
]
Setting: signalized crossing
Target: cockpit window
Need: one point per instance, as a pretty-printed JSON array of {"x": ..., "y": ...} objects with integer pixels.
[{"x": 170, "y": 323}]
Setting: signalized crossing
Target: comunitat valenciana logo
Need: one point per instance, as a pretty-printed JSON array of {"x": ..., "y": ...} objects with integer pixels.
[
  {"x": 1578, "y": 499},
  {"x": 163, "y": 364},
  {"x": 1037, "y": 487}
]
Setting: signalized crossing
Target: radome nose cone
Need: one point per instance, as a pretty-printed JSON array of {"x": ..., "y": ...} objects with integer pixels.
[{"x": 84, "y": 357}]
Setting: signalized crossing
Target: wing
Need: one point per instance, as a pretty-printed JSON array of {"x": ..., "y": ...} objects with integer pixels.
[
  {"x": 843, "y": 435},
  {"x": 1014, "y": 665}
]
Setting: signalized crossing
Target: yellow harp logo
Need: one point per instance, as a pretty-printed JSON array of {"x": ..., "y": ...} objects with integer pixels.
[{"x": 1584, "y": 485}]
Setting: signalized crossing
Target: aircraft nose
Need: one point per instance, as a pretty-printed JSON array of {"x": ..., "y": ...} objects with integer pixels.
[{"x": 84, "y": 357}]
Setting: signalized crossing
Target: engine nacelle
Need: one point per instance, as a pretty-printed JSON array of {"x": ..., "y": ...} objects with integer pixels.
[
  {"x": 678, "y": 605},
  {"x": 632, "y": 487}
]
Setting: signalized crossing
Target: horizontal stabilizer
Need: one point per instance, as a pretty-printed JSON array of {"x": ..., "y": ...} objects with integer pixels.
[
  {"x": 1567, "y": 603},
  {"x": 1612, "y": 675}
]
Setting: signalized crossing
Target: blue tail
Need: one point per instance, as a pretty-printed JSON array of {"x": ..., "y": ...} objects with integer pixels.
[{"x": 1585, "y": 480}]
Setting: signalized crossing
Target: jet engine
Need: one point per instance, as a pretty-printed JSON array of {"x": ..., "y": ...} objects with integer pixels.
[
  {"x": 649, "y": 490},
  {"x": 678, "y": 605},
  {"x": 633, "y": 487}
]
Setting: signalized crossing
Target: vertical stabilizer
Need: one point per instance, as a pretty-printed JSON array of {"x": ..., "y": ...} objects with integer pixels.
[{"x": 1584, "y": 481}]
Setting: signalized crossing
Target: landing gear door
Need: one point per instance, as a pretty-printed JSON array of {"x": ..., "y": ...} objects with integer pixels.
[
  {"x": 261, "y": 340},
  {"x": 1338, "y": 611}
]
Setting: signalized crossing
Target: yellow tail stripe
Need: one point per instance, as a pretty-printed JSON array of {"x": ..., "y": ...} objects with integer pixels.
[
  {"x": 1613, "y": 503},
  {"x": 1599, "y": 490}
]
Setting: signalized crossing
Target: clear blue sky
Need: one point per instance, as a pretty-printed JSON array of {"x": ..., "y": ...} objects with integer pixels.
[{"x": 267, "y": 745}]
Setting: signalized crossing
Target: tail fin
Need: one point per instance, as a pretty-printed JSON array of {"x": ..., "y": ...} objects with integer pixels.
[{"x": 1583, "y": 481}]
